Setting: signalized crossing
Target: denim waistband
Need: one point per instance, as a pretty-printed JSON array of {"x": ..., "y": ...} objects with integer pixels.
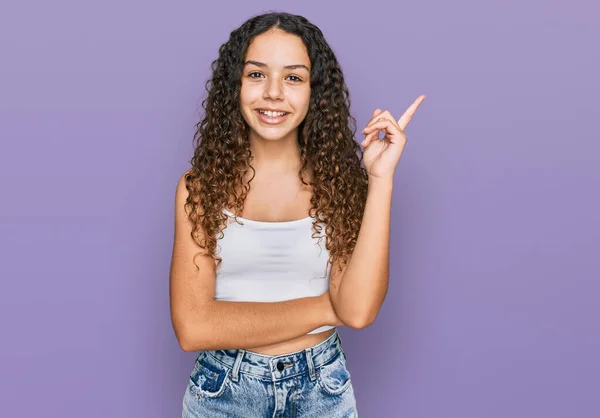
[{"x": 279, "y": 367}]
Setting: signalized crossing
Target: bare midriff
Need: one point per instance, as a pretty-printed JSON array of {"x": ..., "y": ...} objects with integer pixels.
[{"x": 291, "y": 346}]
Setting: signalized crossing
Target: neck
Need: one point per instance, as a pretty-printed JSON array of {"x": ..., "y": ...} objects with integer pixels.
[{"x": 275, "y": 156}]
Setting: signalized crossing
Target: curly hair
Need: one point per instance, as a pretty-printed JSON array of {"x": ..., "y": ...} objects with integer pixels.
[{"x": 222, "y": 155}]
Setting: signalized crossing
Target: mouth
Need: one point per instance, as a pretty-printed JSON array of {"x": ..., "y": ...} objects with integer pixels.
[{"x": 270, "y": 117}]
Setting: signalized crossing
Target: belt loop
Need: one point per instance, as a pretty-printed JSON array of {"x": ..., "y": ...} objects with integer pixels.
[
  {"x": 236, "y": 365},
  {"x": 311, "y": 365}
]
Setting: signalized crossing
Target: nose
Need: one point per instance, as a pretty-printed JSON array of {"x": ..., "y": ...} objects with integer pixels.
[{"x": 273, "y": 89}]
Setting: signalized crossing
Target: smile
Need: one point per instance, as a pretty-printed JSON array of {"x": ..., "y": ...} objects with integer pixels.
[{"x": 270, "y": 117}]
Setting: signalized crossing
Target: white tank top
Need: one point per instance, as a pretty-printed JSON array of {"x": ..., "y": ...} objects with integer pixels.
[{"x": 271, "y": 262}]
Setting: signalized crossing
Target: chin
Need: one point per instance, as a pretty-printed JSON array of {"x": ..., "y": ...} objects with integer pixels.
[{"x": 271, "y": 134}]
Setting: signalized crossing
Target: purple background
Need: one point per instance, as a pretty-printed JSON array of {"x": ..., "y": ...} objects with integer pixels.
[{"x": 493, "y": 304}]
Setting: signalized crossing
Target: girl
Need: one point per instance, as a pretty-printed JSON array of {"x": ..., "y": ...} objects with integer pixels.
[{"x": 260, "y": 295}]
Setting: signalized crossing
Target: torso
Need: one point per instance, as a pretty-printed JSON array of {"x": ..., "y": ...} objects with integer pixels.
[
  {"x": 281, "y": 199},
  {"x": 291, "y": 346}
]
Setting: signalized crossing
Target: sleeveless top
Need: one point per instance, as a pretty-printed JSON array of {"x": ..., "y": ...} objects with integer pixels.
[{"x": 271, "y": 261}]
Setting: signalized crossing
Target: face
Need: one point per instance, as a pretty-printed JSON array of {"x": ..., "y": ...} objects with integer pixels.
[{"x": 275, "y": 90}]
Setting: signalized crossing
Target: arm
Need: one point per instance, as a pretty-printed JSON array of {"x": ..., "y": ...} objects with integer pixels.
[
  {"x": 202, "y": 323},
  {"x": 217, "y": 325},
  {"x": 358, "y": 291}
]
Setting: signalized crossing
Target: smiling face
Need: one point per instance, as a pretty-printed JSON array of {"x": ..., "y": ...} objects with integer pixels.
[{"x": 275, "y": 90}]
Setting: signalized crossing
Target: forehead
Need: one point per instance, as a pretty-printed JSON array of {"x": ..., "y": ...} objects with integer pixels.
[{"x": 278, "y": 48}]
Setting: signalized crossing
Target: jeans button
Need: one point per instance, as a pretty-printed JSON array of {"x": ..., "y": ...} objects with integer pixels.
[{"x": 280, "y": 366}]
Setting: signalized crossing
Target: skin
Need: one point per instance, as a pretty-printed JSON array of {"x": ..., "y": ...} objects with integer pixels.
[
  {"x": 268, "y": 84},
  {"x": 357, "y": 292},
  {"x": 277, "y": 76},
  {"x": 366, "y": 275}
]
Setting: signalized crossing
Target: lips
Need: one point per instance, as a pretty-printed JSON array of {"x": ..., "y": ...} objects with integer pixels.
[{"x": 271, "y": 117}]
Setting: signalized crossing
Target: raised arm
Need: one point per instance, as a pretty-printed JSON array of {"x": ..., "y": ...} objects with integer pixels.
[
  {"x": 202, "y": 323},
  {"x": 358, "y": 291}
]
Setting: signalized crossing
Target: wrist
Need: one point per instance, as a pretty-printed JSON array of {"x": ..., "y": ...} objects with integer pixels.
[
  {"x": 327, "y": 313},
  {"x": 381, "y": 182}
]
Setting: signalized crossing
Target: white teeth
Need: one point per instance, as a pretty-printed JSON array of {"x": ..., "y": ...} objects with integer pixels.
[{"x": 270, "y": 114}]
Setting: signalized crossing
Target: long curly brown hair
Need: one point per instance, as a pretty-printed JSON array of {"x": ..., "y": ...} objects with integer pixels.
[{"x": 222, "y": 156}]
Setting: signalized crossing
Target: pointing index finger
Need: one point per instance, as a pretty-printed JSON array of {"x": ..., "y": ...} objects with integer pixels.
[{"x": 407, "y": 116}]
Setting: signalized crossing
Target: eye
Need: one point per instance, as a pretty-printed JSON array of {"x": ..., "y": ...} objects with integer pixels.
[
  {"x": 251, "y": 75},
  {"x": 256, "y": 74}
]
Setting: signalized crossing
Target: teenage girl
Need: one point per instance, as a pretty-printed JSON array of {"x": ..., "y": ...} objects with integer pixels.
[{"x": 281, "y": 228}]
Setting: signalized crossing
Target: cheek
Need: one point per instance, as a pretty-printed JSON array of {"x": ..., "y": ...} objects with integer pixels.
[
  {"x": 247, "y": 99},
  {"x": 305, "y": 109},
  {"x": 301, "y": 100},
  {"x": 247, "y": 95}
]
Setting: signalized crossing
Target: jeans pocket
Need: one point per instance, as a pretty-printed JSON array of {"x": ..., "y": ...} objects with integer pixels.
[
  {"x": 334, "y": 377},
  {"x": 209, "y": 378}
]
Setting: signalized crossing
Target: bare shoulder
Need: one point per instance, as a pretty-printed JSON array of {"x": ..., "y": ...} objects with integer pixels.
[{"x": 191, "y": 277}]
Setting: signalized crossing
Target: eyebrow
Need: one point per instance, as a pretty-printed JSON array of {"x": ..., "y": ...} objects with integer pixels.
[{"x": 287, "y": 67}]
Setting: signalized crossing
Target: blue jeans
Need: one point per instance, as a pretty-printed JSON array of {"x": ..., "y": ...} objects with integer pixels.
[{"x": 236, "y": 383}]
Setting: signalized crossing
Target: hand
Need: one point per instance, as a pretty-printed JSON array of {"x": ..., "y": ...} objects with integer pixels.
[
  {"x": 330, "y": 315},
  {"x": 381, "y": 156}
]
